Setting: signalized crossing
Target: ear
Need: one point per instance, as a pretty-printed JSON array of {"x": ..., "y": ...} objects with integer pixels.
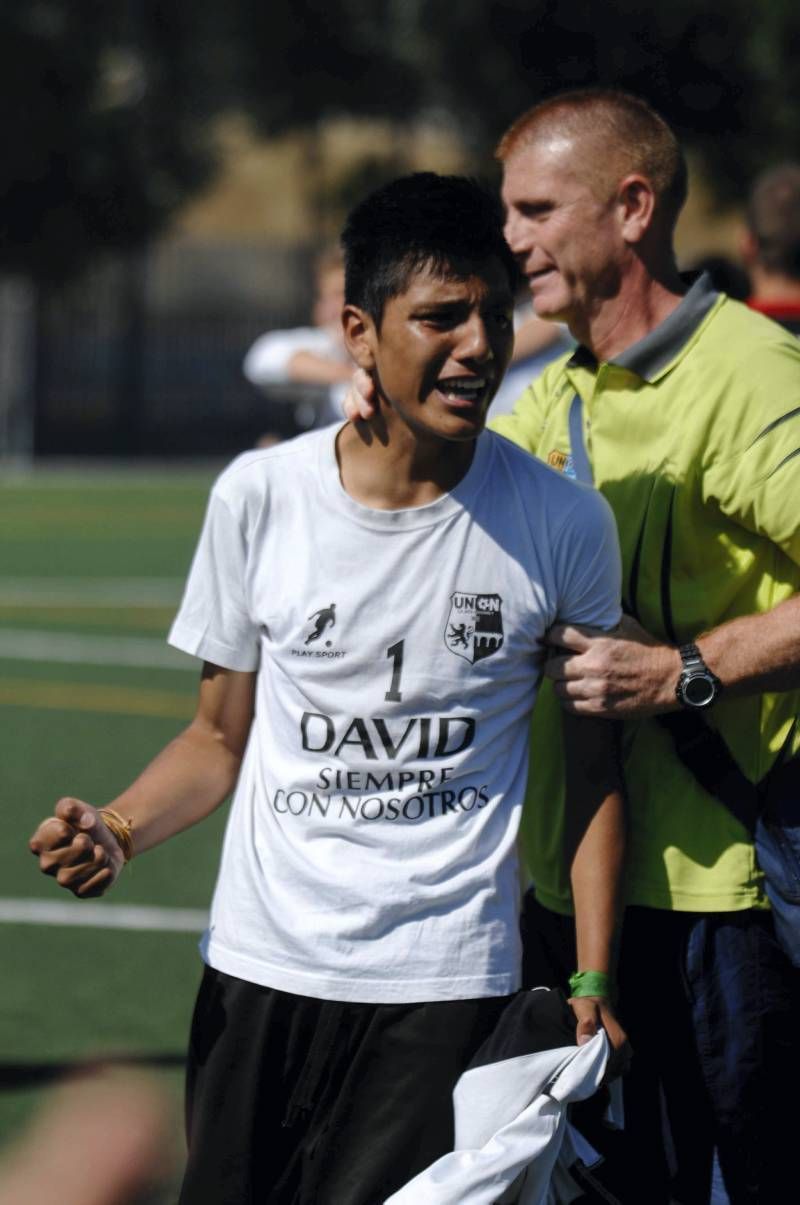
[
  {"x": 637, "y": 202},
  {"x": 360, "y": 336}
]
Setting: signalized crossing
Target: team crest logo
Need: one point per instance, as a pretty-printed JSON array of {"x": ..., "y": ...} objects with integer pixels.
[{"x": 474, "y": 628}]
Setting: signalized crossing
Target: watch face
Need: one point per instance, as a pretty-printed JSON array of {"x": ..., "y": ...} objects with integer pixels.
[{"x": 698, "y": 691}]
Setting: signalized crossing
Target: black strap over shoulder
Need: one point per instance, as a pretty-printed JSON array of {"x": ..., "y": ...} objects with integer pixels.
[
  {"x": 703, "y": 751},
  {"x": 705, "y": 754}
]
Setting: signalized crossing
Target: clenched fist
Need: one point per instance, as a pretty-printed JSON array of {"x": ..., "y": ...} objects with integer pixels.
[{"x": 77, "y": 849}]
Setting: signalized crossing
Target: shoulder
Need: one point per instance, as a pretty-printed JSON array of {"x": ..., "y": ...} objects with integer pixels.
[
  {"x": 545, "y": 491},
  {"x": 254, "y": 475},
  {"x": 529, "y": 471},
  {"x": 745, "y": 374},
  {"x": 749, "y": 346},
  {"x": 525, "y": 423}
]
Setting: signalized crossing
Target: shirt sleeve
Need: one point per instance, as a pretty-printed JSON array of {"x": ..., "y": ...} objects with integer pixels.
[
  {"x": 267, "y": 361},
  {"x": 213, "y": 621},
  {"x": 760, "y": 487},
  {"x": 588, "y": 564},
  {"x": 525, "y": 423}
]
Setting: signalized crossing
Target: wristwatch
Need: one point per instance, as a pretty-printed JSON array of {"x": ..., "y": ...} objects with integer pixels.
[{"x": 697, "y": 686}]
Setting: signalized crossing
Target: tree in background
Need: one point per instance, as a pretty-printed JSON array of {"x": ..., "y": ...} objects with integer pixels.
[
  {"x": 722, "y": 75},
  {"x": 108, "y": 106},
  {"x": 101, "y": 131}
]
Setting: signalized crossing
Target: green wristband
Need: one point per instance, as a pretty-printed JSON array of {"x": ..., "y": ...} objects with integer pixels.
[{"x": 590, "y": 983}]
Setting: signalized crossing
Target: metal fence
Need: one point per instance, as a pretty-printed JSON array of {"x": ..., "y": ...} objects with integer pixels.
[{"x": 143, "y": 355}]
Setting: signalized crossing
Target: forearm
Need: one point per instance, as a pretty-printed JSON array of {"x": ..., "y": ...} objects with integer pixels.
[
  {"x": 629, "y": 672},
  {"x": 180, "y": 787},
  {"x": 749, "y": 655},
  {"x": 594, "y": 837},
  {"x": 313, "y": 369},
  {"x": 595, "y": 877},
  {"x": 756, "y": 653},
  {"x": 534, "y": 336}
]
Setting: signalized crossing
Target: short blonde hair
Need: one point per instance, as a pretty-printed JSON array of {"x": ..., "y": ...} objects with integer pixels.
[{"x": 630, "y": 137}]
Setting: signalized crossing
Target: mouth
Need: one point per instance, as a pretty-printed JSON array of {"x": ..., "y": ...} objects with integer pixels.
[
  {"x": 463, "y": 393},
  {"x": 534, "y": 278}
]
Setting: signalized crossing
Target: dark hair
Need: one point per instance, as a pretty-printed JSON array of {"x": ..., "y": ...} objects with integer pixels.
[
  {"x": 443, "y": 223},
  {"x": 773, "y": 215}
]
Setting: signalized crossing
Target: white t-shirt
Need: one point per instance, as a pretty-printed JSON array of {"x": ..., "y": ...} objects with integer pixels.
[{"x": 370, "y": 850}]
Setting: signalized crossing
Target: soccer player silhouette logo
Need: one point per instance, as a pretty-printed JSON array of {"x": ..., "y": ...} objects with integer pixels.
[{"x": 321, "y": 619}]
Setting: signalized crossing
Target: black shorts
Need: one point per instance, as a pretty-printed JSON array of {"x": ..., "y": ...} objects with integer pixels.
[{"x": 298, "y": 1101}]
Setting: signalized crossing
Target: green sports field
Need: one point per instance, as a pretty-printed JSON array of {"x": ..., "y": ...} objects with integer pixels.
[{"x": 91, "y": 566}]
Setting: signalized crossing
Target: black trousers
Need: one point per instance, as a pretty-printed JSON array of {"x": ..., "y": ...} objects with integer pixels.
[
  {"x": 710, "y": 1003},
  {"x": 298, "y": 1101}
]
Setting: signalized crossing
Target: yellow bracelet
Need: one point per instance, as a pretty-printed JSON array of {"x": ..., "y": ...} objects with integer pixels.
[{"x": 121, "y": 829}]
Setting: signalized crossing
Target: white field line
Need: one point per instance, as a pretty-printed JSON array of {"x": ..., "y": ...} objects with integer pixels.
[
  {"x": 92, "y": 915},
  {"x": 19, "y": 644},
  {"x": 90, "y": 592}
]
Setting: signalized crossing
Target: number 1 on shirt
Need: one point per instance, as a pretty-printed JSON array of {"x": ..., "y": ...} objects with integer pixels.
[{"x": 393, "y": 694}]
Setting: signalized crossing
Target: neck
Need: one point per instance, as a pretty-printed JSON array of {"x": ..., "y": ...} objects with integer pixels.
[
  {"x": 387, "y": 465},
  {"x": 640, "y": 304}
]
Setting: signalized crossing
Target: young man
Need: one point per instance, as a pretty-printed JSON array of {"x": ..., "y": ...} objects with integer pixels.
[{"x": 371, "y": 604}]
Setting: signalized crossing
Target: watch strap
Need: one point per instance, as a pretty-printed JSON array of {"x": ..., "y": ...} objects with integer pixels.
[
  {"x": 694, "y": 667},
  {"x": 691, "y": 655}
]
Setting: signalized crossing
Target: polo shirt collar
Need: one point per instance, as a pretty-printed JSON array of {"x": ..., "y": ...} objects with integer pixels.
[{"x": 659, "y": 347}]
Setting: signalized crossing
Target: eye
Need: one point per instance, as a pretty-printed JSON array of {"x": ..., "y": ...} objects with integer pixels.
[
  {"x": 442, "y": 320},
  {"x": 502, "y": 319},
  {"x": 538, "y": 210}
]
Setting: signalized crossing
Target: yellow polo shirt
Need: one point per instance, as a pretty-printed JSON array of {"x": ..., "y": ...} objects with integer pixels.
[{"x": 693, "y": 435}]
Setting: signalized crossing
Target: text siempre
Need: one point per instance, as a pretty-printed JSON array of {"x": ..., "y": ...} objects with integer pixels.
[{"x": 384, "y": 791}]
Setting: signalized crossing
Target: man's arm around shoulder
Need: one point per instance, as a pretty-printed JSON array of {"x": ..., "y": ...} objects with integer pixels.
[{"x": 523, "y": 426}]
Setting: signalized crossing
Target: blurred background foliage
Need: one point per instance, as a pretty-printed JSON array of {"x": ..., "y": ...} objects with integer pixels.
[{"x": 110, "y": 109}]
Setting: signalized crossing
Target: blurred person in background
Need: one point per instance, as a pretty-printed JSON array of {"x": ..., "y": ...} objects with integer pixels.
[
  {"x": 105, "y": 1136},
  {"x": 771, "y": 245},
  {"x": 682, "y": 406},
  {"x": 309, "y": 355},
  {"x": 724, "y": 273},
  {"x": 536, "y": 343}
]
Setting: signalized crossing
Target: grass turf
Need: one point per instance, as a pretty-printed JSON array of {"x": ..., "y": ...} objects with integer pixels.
[{"x": 72, "y": 994}]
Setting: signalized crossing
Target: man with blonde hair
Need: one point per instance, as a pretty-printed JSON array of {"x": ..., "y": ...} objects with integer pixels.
[{"x": 683, "y": 408}]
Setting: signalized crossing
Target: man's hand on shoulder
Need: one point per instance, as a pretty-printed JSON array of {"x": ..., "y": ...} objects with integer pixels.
[
  {"x": 77, "y": 849},
  {"x": 593, "y": 1013},
  {"x": 625, "y": 672},
  {"x": 360, "y": 401}
]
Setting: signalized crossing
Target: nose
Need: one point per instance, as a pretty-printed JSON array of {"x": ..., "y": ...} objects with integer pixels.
[
  {"x": 514, "y": 232},
  {"x": 475, "y": 343}
]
